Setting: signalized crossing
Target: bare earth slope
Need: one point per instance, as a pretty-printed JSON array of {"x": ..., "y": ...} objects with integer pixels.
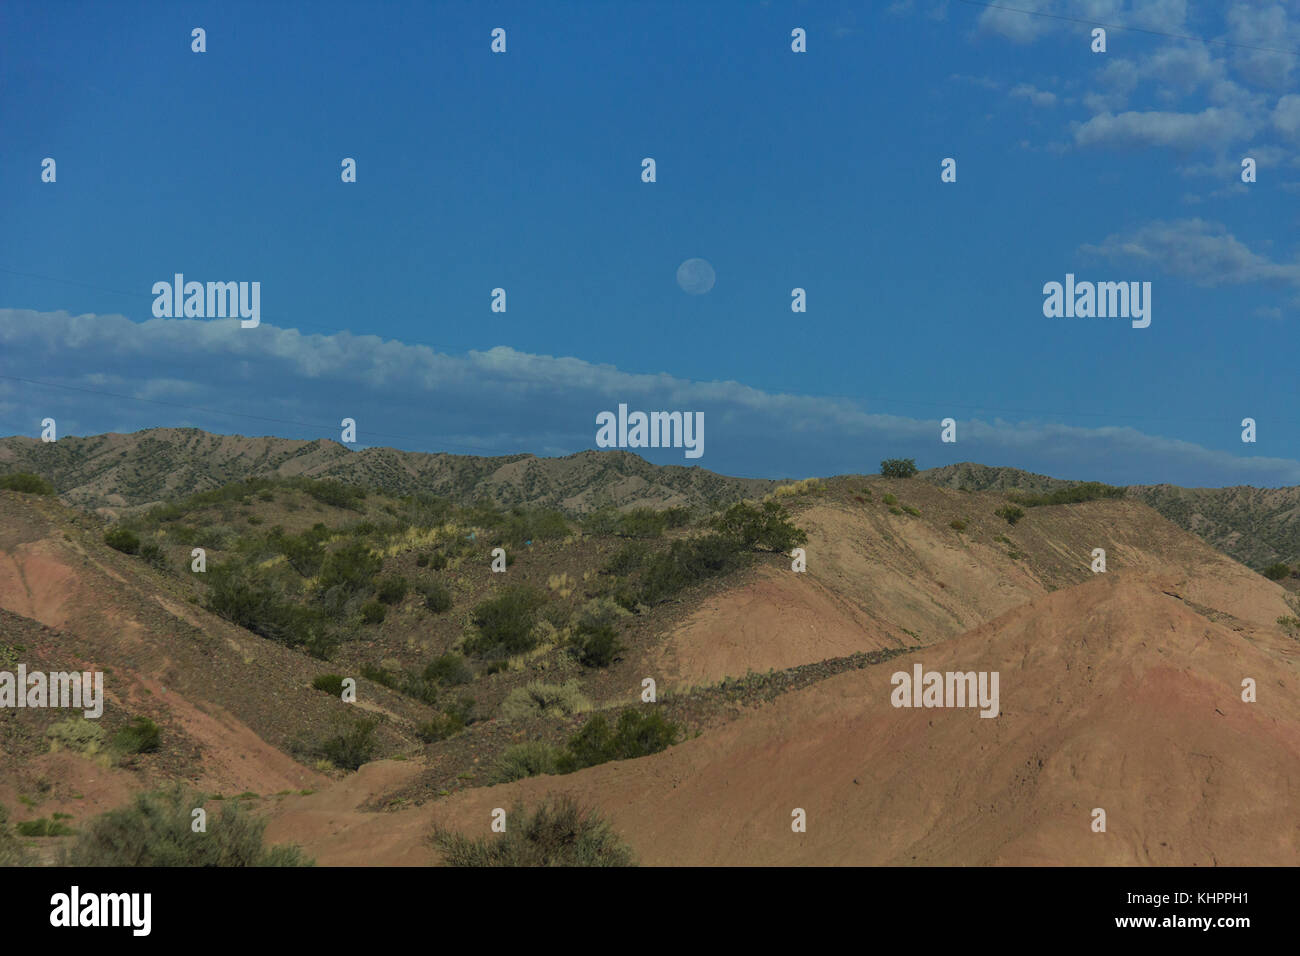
[
  {"x": 1114, "y": 695},
  {"x": 879, "y": 580}
]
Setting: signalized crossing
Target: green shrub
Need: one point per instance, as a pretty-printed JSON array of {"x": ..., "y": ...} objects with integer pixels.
[
  {"x": 562, "y": 834},
  {"x": 683, "y": 564},
  {"x": 422, "y": 560},
  {"x": 450, "y": 669},
  {"x": 642, "y": 523},
  {"x": 550, "y": 700},
  {"x": 889, "y": 499},
  {"x": 392, "y": 590},
  {"x": 332, "y": 684},
  {"x": 914, "y": 512},
  {"x": 1073, "y": 494},
  {"x": 142, "y": 736},
  {"x": 627, "y": 558},
  {"x": 153, "y": 555},
  {"x": 1010, "y": 512},
  {"x": 372, "y": 612},
  {"x": 438, "y": 561},
  {"x": 957, "y": 524},
  {"x": 43, "y": 828},
  {"x": 530, "y": 759},
  {"x": 764, "y": 527},
  {"x": 452, "y": 721},
  {"x": 351, "y": 567},
  {"x": 348, "y": 747},
  {"x": 596, "y": 634},
  {"x": 507, "y": 623},
  {"x": 155, "y": 830},
  {"x": 898, "y": 467},
  {"x": 124, "y": 540},
  {"x": 1276, "y": 572},
  {"x": 77, "y": 734},
  {"x": 26, "y": 482},
  {"x": 636, "y": 734},
  {"x": 335, "y": 493},
  {"x": 437, "y": 596}
]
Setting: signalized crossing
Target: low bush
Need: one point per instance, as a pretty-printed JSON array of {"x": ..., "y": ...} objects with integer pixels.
[
  {"x": 124, "y": 540},
  {"x": 27, "y": 483},
  {"x": 551, "y": 700},
  {"x": 155, "y": 830},
  {"x": 331, "y": 684},
  {"x": 559, "y": 834},
  {"x": 637, "y": 734},
  {"x": 507, "y": 624},
  {"x": 437, "y": 596},
  {"x": 141, "y": 736},
  {"x": 450, "y": 669},
  {"x": 1011, "y": 513},
  {"x": 1276, "y": 572},
  {"x": 530, "y": 759}
]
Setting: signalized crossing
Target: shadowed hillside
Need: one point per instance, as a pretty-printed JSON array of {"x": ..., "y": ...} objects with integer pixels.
[{"x": 120, "y": 472}]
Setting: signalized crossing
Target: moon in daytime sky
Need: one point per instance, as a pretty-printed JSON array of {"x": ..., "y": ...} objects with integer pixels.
[{"x": 696, "y": 276}]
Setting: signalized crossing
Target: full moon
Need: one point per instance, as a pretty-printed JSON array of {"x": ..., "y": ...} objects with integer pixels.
[{"x": 696, "y": 276}]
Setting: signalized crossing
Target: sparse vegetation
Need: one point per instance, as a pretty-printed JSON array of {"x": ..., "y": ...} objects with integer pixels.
[
  {"x": 1011, "y": 513},
  {"x": 507, "y": 624},
  {"x": 637, "y": 734},
  {"x": 1276, "y": 572},
  {"x": 957, "y": 524},
  {"x": 141, "y": 736},
  {"x": 437, "y": 596},
  {"x": 551, "y": 700},
  {"x": 764, "y": 527},
  {"x": 559, "y": 834},
  {"x": 123, "y": 539},
  {"x": 331, "y": 684},
  {"x": 1074, "y": 494},
  {"x": 155, "y": 831},
  {"x": 530, "y": 759},
  {"x": 26, "y": 482}
]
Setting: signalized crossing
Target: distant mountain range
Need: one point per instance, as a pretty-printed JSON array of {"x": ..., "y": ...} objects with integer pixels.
[
  {"x": 119, "y": 473},
  {"x": 1257, "y": 526}
]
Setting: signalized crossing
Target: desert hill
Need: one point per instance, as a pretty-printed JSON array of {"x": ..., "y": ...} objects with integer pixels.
[
  {"x": 121, "y": 472},
  {"x": 1257, "y": 526}
]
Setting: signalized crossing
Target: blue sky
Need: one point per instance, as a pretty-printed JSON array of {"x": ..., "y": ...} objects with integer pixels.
[{"x": 818, "y": 170}]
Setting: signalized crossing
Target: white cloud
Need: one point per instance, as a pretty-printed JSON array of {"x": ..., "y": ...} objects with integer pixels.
[
  {"x": 1186, "y": 131},
  {"x": 215, "y": 375},
  {"x": 1202, "y": 251}
]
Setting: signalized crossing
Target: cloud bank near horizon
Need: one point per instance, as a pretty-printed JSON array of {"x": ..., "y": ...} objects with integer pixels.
[{"x": 212, "y": 374}]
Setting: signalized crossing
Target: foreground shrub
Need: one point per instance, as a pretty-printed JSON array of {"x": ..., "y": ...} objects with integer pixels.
[
  {"x": 1010, "y": 512},
  {"x": 348, "y": 746},
  {"x": 686, "y": 563},
  {"x": 124, "y": 540},
  {"x": 1276, "y": 572},
  {"x": 392, "y": 590},
  {"x": 530, "y": 759},
  {"x": 449, "y": 669},
  {"x": 437, "y": 597},
  {"x": 452, "y": 721},
  {"x": 507, "y": 624},
  {"x": 764, "y": 527},
  {"x": 551, "y": 700},
  {"x": 331, "y": 684},
  {"x": 372, "y": 612},
  {"x": 556, "y": 834},
  {"x": 155, "y": 831},
  {"x": 636, "y": 734},
  {"x": 26, "y": 482},
  {"x": 142, "y": 736}
]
